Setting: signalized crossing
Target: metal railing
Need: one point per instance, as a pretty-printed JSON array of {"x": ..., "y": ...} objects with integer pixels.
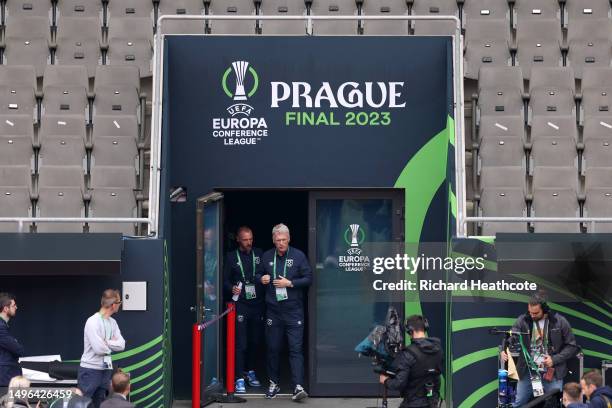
[{"x": 566, "y": 220}]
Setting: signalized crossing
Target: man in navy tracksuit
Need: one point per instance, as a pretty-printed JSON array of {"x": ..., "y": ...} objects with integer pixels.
[
  {"x": 287, "y": 275},
  {"x": 239, "y": 278},
  {"x": 10, "y": 349}
]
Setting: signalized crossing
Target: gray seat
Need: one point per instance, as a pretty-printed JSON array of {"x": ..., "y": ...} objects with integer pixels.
[
  {"x": 116, "y": 101},
  {"x": 115, "y": 127},
  {"x": 27, "y": 8},
  {"x": 384, "y": 8},
  {"x": 15, "y": 149},
  {"x": 232, "y": 8},
  {"x": 442, "y": 28},
  {"x": 597, "y": 153},
  {"x": 596, "y": 104},
  {"x": 536, "y": 10},
  {"x": 78, "y": 43},
  {"x": 114, "y": 151},
  {"x": 65, "y": 91},
  {"x": 283, "y": 8},
  {"x": 598, "y": 203},
  {"x": 58, "y": 126},
  {"x": 589, "y": 44},
  {"x": 434, "y": 8},
  {"x": 560, "y": 127},
  {"x": 484, "y": 10},
  {"x": 129, "y": 9},
  {"x": 182, "y": 7},
  {"x": 553, "y": 152},
  {"x": 487, "y": 42},
  {"x": 598, "y": 196},
  {"x": 17, "y": 91},
  {"x": 113, "y": 177},
  {"x": 78, "y": 8},
  {"x": 112, "y": 202},
  {"x": 60, "y": 194},
  {"x": 502, "y": 202},
  {"x": 538, "y": 45},
  {"x": 501, "y": 127},
  {"x": 130, "y": 43},
  {"x": 14, "y": 202},
  {"x": 576, "y": 10},
  {"x": 27, "y": 42},
  {"x": 552, "y": 92},
  {"x": 597, "y": 128},
  {"x": 17, "y": 127},
  {"x": 555, "y": 194},
  {"x": 500, "y": 92},
  {"x": 61, "y": 151},
  {"x": 501, "y": 151},
  {"x": 334, "y": 8},
  {"x": 503, "y": 176}
]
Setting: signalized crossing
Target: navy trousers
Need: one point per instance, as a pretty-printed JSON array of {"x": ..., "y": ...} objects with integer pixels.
[
  {"x": 249, "y": 333},
  {"x": 289, "y": 324},
  {"x": 95, "y": 384}
]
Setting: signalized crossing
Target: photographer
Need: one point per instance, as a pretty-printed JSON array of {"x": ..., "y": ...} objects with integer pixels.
[
  {"x": 417, "y": 368},
  {"x": 542, "y": 362}
]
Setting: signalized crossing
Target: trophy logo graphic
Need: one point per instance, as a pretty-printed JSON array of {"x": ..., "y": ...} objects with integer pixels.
[
  {"x": 354, "y": 230},
  {"x": 240, "y": 70}
]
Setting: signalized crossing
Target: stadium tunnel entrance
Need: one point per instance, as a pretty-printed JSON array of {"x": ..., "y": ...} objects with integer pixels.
[{"x": 337, "y": 317}]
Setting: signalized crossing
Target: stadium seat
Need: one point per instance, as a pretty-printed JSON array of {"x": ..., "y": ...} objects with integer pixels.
[
  {"x": 434, "y": 8},
  {"x": 597, "y": 153},
  {"x": 502, "y": 202},
  {"x": 182, "y": 7},
  {"x": 129, "y": 9},
  {"x": 485, "y": 10},
  {"x": 112, "y": 195},
  {"x": 385, "y": 8},
  {"x": 116, "y": 90},
  {"x": 560, "y": 127},
  {"x": 576, "y": 10},
  {"x": 487, "y": 43},
  {"x": 552, "y": 92},
  {"x": 65, "y": 91},
  {"x": 501, "y": 151},
  {"x": 536, "y": 10},
  {"x": 62, "y": 141},
  {"x": 538, "y": 45},
  {"x": 555, "y": 194},
  {"x": 15, "y": 195},
  {"x": 283, "y": 8},
  {"x": 503, "y": 176},
  {"x": 78, "y": 43},
  {"x": 27, "y": 8},
  {"x": 60, "y": 194},
  {"x": 500, "y": 92},
  {"x": 125, "y": 126},
  {"x": 334, "y": 8},
  {"x": 130, "y": 43},
  {"x": 553, "y": 152},
  {"x": 597, "y": 128},
  {"x": 231, "y": 8},
  {"x": 26, "y": 41},
  {"x": 596, "y": 104},
  {"x": 590, "y": 44},
  {"x": 78, "y": 8},
  {"x": 15, "y": 146},
  {"x": 114, "y": 151},
  {"x": 598, "y": 197},
  {"x": 501, "y": 127},
  {"x": 17, "y": 92}
]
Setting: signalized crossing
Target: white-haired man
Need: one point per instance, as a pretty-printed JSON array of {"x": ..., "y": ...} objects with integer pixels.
[{"x": 286, "y": 276}]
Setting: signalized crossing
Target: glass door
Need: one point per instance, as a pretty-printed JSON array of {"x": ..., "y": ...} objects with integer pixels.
[
  {"x": 346, "y": 227},
  {"x": 209, "y": 290}
]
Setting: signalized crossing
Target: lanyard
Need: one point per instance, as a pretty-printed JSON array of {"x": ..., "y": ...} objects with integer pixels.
[
  {"x": 530, "y": 363},
  {"x": 106, "y": 337},
  {"x": 284, "y": 268},
  {"x": 240, "y": 264}
]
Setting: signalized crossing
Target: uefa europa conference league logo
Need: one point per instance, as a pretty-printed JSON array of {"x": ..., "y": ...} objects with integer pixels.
[
  {"x": 354, "y": 261},
  {"x": 363, "y": 104}
]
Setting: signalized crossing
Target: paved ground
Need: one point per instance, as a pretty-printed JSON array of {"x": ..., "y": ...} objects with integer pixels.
[{"x": 282, "y": 402}]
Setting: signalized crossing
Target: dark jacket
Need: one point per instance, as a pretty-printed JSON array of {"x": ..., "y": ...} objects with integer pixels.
[
  {"x": 10, "y": 351},
  {"x": 561, "y": 342},
  {"x": 232, "y": 275},
  {"x": 298, "y": 272},
  {"x": 116, "y": 401},
  {"x": 597, "y": 397},
  {"x": 404, "y": 366}
]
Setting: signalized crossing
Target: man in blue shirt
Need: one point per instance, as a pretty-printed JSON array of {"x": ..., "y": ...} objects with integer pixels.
[
  {"x": 286, "y": 277},
  {"x": 239, "y": 280},
  {"x": 10, "y": 349}
]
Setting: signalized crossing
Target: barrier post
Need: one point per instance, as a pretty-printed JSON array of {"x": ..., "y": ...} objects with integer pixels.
[
  {"x": 196, "y": 355},
  {"x": 231, "y": 349}
]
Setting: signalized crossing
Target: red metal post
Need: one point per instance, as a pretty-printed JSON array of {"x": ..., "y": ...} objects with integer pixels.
[
  {"x": 231, "y": 348},
  {"x": 196, "y": 355}
]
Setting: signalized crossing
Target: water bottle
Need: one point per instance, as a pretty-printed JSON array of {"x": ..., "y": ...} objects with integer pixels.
[
  {"x": 235, "y": 297},
  {"x": 502, "y": 378}
]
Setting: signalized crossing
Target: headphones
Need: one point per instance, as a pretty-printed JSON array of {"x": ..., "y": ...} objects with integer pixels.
[
  {"x": 541, "y": 300},
  {"x": 411, "y": 329}
]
